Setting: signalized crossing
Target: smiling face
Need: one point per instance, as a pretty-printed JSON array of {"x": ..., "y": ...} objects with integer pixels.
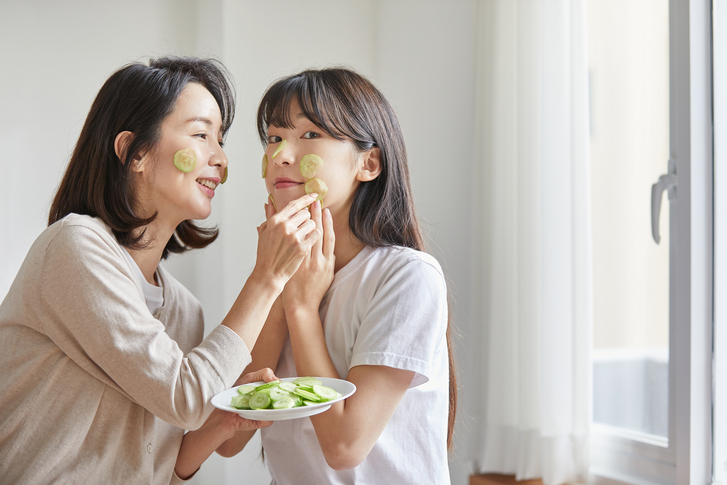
[
  {"x": 341, "y": 168},
  {"x": 195, "y": 124}
]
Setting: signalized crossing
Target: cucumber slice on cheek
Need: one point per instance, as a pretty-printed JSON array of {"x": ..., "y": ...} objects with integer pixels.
[
  {"x": 185, "y": 160},
  {"x": 310, "y": 165}
]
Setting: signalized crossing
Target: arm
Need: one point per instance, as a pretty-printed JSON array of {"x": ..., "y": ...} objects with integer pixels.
[
  {"x": 284, "y": 240},
  {"x": 265, "y": 354},
  {"x": 198, "y": 445},
  {"x": 147, "y": 365},
  {"x": 348, "y": 431}
]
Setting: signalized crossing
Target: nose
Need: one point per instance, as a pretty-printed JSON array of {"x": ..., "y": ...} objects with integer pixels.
[
  {"x": 218, "y": 158},
  {"x": 283, "y": 154}
]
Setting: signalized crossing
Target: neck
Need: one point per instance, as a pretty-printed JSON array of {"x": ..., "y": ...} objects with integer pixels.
[
  {"x": 347, "y": 245},
  {"x": 149, "y": 256}
]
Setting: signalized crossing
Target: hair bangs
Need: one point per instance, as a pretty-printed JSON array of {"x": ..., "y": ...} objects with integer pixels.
[{"x": 314, "y": 100}]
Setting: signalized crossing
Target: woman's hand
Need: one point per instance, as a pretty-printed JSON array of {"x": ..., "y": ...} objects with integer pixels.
[
  {"x": 219, "y": 427},
  {"x": 315, "y": 274},
  {"x": 284, "y": 239}
]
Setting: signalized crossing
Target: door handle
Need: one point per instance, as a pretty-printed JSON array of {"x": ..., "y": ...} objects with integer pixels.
[{"x": 666, "y": 182}]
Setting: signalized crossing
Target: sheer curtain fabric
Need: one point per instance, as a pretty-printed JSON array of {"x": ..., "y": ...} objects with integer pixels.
[{"x": 534, "y": 416}]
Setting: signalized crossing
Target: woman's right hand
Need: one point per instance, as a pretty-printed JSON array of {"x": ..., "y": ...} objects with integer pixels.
[{"x": 285, "y": 238}]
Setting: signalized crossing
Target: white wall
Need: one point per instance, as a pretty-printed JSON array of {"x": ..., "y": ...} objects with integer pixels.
[{"x": 419, "y": 53}]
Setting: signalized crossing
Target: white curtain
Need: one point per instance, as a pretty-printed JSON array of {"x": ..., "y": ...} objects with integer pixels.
[{"x": 533, "y": 418}]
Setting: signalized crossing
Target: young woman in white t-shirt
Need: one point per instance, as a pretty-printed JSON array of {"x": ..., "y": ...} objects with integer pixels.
[{"x": 367, "y": 305}]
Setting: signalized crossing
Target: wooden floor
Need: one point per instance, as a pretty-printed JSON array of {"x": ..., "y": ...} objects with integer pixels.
[{"x": 495, "y": 479}]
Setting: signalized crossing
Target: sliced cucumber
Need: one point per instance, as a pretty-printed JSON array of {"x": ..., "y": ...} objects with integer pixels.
[
  {"x": 288, "y": 386},
  {"x": 241, "y": 402},
  {"x": 185, "y": 159},
  {"x": 268, "y": 384},
  {"x": 303, "y": 391},
  {"x": 265, "y": 164},
  {"x": 318, "y": 186},
  {"x": 260, "y": 400},
  {"x": 310, "y": 165},
  {"x": 224, "y": 177},
  {"x": 307, "y": 395},
  {"x": 245, "y": 389},
  {"x": 280, "y": 148},
  {"x": 285, "y": 402},
  {"x": 307, "y": 381},
  {"x": 325, "y": 393},
  {"x": 277, "y": 393}
]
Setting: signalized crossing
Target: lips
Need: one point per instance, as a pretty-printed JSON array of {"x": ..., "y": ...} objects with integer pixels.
[{"x": 285, "y": 183}]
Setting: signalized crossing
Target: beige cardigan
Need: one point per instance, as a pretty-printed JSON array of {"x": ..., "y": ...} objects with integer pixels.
[{"x": 93, "y": 388}]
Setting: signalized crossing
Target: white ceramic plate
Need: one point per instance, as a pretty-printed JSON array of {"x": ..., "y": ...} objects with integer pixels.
[{"x": 344, "y": 388}]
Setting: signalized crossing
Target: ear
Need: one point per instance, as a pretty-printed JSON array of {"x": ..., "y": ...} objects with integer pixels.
[
  {"x": 371, "y": 166},
  {"x": 121, "y": 145}
]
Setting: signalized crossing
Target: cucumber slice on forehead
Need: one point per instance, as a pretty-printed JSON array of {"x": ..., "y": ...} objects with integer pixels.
[
  {"x": 185, "y": 159},
  {"x": 310, "y": 165}
]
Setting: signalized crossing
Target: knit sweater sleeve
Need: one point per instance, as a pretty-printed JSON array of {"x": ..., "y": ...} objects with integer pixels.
[{"x": 93, "y": 311}]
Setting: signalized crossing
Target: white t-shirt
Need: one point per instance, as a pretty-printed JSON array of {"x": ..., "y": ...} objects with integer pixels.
[
  {"x": 154, "y": 295},
  {"x": 388, "y": 307}
]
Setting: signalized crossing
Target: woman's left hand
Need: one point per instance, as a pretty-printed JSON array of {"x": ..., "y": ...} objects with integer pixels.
[{"x": 314, "y": 276}]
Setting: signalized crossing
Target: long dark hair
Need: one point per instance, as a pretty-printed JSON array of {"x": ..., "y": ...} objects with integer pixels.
[
  {"x": 136, "y": 98},
  {"x": 346, "y": 105}
]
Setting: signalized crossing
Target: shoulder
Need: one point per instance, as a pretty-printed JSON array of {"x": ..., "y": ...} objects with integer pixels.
[
  {"x": 396, "y": 259},
  {"x": 394, "y": 270},
  {"x": 80, "y": 243},
  {"x": 76, "y": 230}
]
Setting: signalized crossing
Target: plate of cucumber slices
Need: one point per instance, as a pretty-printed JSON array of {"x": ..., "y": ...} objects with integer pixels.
[{"x": 288, "y": 398}]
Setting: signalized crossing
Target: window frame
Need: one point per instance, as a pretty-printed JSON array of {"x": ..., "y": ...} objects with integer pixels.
[{"x": 620, "y": 456}]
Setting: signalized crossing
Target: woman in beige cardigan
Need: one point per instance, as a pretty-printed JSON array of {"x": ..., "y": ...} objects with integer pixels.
[{"x": 101, "y": 350}]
